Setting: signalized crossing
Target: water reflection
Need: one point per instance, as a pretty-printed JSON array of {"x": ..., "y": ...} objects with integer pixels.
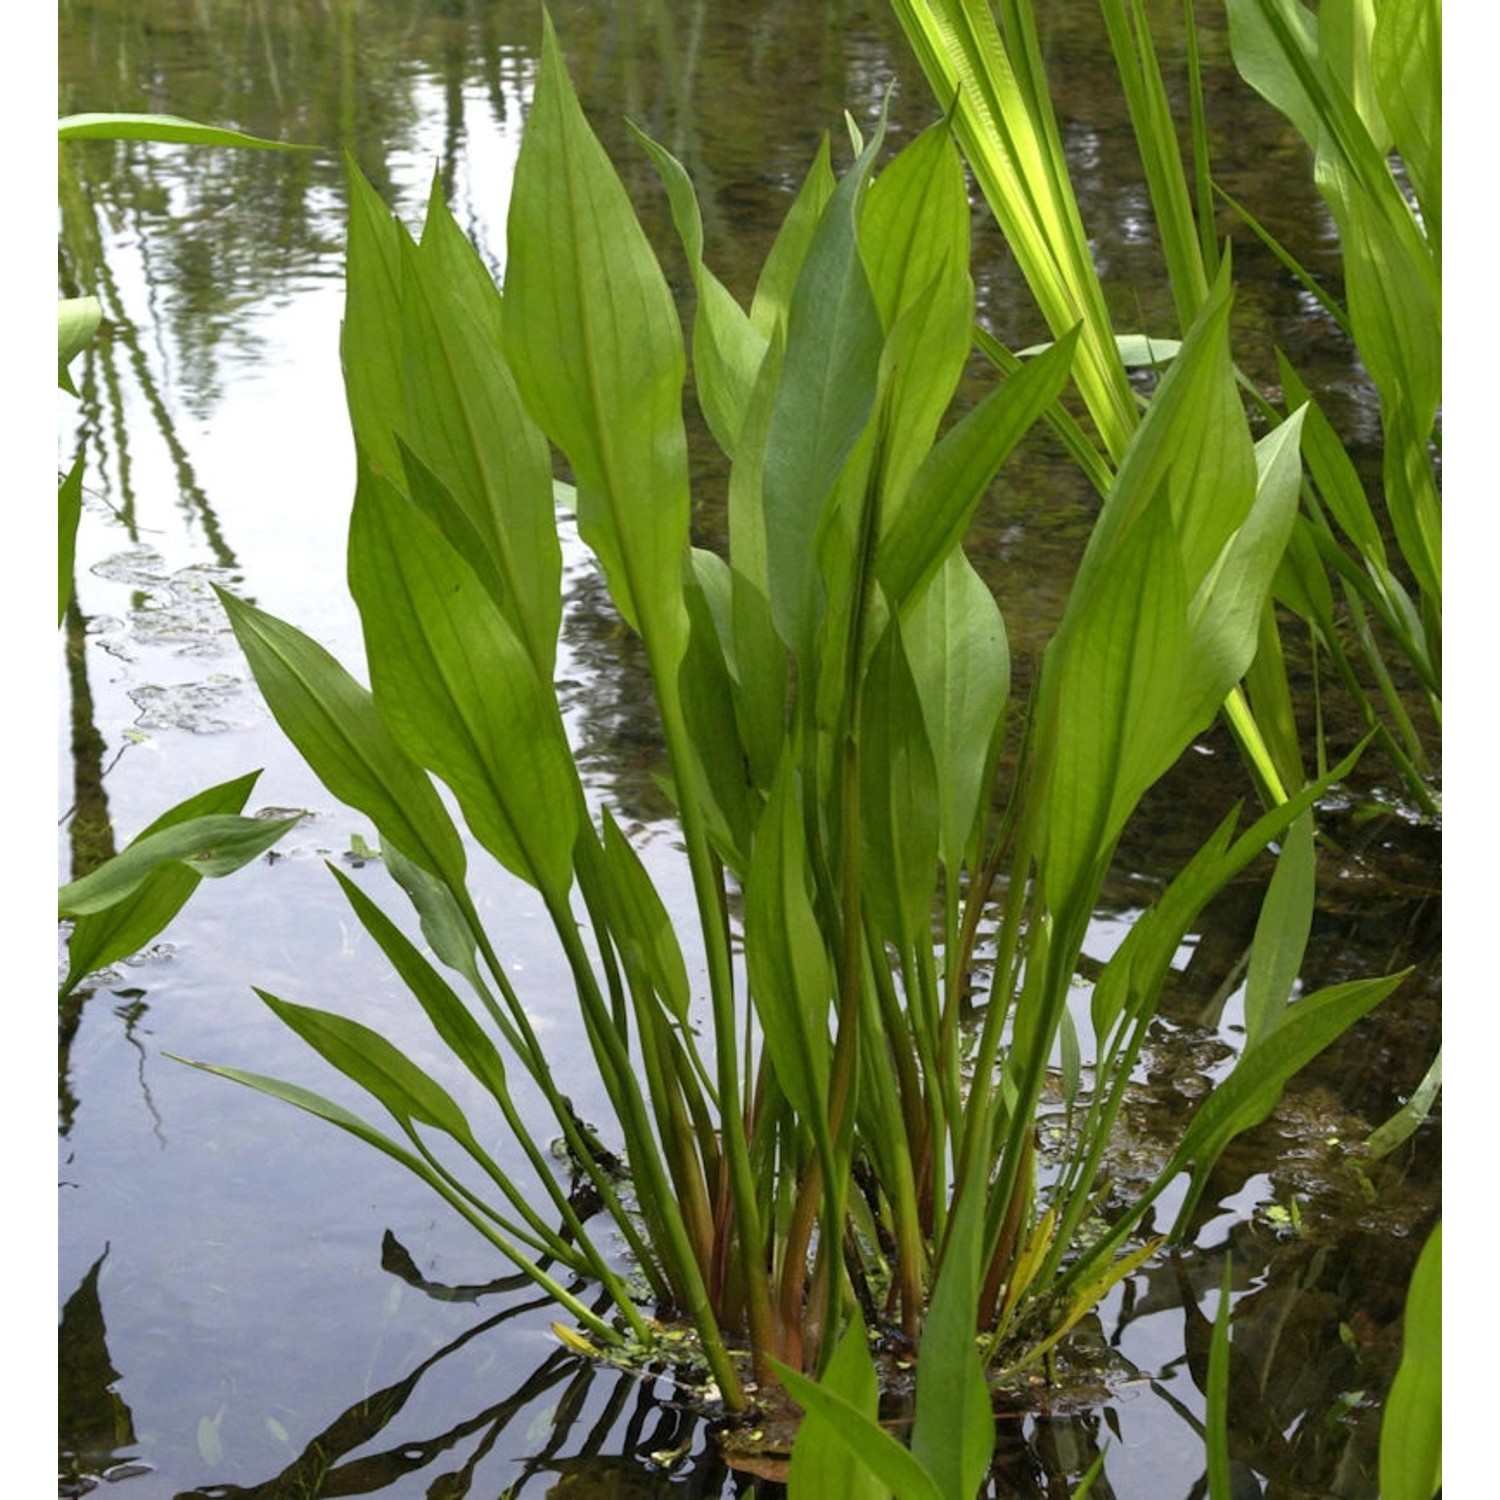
[
  {"x": 100, "y": 1431},
  {"x": 606, "y": 1432}
]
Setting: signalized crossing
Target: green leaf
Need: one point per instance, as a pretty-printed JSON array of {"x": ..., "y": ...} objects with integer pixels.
[
  {"x": 1333, "y": 470},
  {"x": 1216, "y": 1416},
  {"x": 865, "y": 1439},
  {"x": 953, "y": 1436},
  {"x": 213, "y": 845},
  {"x": 448, "y": 931},
  {"x": 1111, "y": 704},
  {"x": 955, "y": 641},
  {"x": 1002, "y": 114},
  {"x": 778, "y": 277},
  {"x": 170, "y": 129},
  {"x": 914, "y": 237},
  {"x": 465, "y": 420},
  {"x": 1281, "y": 933},
  {"x": 709, "y": 705},
  {"x": 1403, "y": 1124},
  {"x": 333, "y": 722},
  {"x": 898, "y": 797},
  {"x": 728, "y": 348},
  {"x": 592, "y": 337},
  {"x": 821, "y": 1464},
  {"x": 77, "y": 320},
  {"x": 1163, "y": 616},
  {"x": 378, "y": 1066},
  {"x": 923, "y": 526},
  {"x": 314, "y": 1104},
  {"x": 1250, "y": 1092},
  {"x": 823, "y": 403},
  {"x": 1411, "y": 1432},
  {"x": 1407, "y": 62},
  {"x": 458, "y": 689},
  {"x": 791, "y": 977},
  {"x": 761, "y": 676},
  {"x": 640, "y": 924},
  {"x": 450, "y": 1017},
  {"x": 370, "y": 340},
  {"x": 125, "y": 927}
]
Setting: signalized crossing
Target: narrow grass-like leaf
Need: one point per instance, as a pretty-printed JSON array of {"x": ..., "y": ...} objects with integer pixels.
[
  {"x": 1250, "y": 1092},
  {"x": 1281, "y": 933},
  {"x": 1005, "y": 122},
  {"x": 1407, "y": 64},
  {"x": 1216, "y": 1414},
  {"x": 169, "y": 129},
  {"x": 1156, "y": 141}
]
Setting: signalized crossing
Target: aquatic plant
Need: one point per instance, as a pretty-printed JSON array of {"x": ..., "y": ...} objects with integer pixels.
[
  {"x": 816, "y": 1134},
  {"x": 1362, "y": 85}
]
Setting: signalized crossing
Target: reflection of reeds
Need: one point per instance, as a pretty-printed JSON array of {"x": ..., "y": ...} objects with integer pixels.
[
  {"x": 95, "y": 276},
  {"x": 91, "y": 835}
]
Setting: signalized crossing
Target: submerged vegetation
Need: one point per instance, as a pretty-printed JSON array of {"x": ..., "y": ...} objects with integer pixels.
[{"x": 824, "y": 1104}]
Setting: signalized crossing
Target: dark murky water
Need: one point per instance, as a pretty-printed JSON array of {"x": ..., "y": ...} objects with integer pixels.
[{"x": 252, "y": 1304}]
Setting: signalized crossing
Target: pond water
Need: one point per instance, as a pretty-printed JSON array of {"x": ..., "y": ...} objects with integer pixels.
[{"x": 253, "y": 1304}]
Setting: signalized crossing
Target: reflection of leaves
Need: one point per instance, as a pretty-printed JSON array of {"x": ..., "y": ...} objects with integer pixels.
[
  {"x": 97, "y": 1423},
  {"x": 318, "y": 1469},
  {"x": 395, "y": 1258}
]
